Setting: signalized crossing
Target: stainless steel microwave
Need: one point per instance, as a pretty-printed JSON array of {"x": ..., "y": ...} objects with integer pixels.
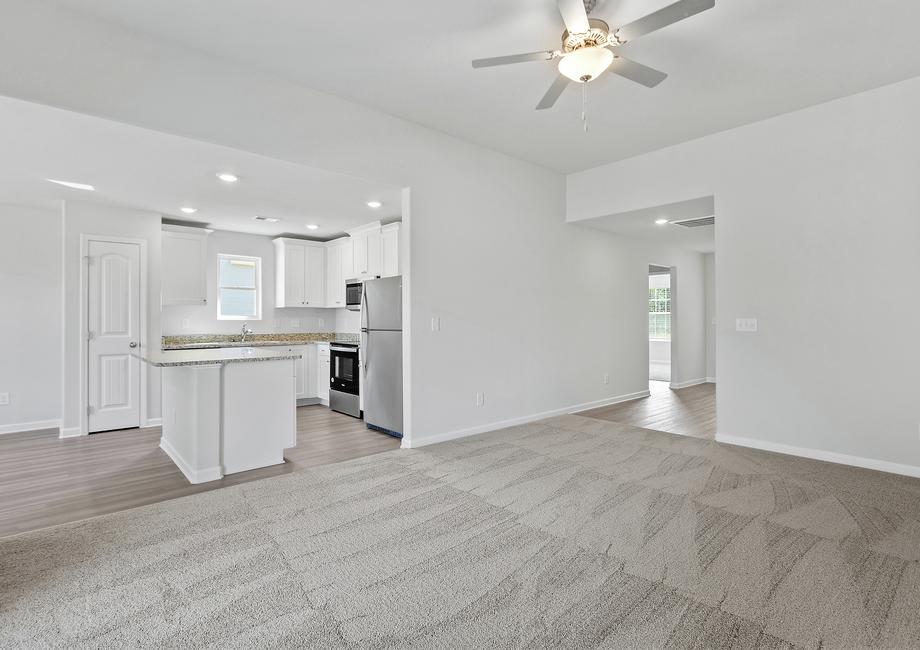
[{"x": 353, "y": 293}]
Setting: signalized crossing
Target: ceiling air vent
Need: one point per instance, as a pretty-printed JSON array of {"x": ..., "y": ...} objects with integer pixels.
[{"x": 696, "y": 223}]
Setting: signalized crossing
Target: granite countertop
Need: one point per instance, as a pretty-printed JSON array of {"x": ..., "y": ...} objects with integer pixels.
[
  {"x": 170, "y": 358},
  {"x": 212, "y": 341}
]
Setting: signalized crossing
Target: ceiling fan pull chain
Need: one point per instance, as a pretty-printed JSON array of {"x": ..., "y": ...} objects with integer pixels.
[{"x": 584, "y": 106}]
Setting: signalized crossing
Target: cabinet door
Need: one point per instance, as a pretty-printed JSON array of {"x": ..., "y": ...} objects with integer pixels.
[
  {"x": 309, "y": 370},
  {"x": 315, "y": 278},
  {"x": 294, "y": 275},
  {"x": 335, "y": 282},
  {"x": 359, "y": 246},
  {"x": 348, "y": 264},
  {"x": 390, "y": 247},
  {"x": 322, "y": 371},
  {"x": 300, "y": 375},
  {"x": 184, "y": 267},
  {"x": 374, "y": 253}
]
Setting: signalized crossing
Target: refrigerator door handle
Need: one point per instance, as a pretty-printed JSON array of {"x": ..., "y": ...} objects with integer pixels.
[
  {"x": 364, "y": 319},
  {"x": 365, "y": 340}
]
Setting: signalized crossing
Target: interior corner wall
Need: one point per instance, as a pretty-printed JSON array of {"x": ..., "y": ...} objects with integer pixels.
[
  {"x": 81, "y": 218},
  {"x": 30, "y": 325},
  {"x": 817, "y": 213},
  {"x": 709, "y": 262}
]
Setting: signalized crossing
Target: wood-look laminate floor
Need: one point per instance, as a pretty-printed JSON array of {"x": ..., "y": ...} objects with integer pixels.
[
  {"x": 46, "y": 481},
  {"x": 688, "y": 411}
]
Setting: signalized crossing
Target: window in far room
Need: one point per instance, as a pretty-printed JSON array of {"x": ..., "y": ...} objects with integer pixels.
[
  {"x": 659, "y": 313},
  {"x": 239, "y": 287}
]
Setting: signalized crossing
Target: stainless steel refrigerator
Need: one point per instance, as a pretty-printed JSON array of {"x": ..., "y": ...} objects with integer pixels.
[{"x": 381, "y": 351}]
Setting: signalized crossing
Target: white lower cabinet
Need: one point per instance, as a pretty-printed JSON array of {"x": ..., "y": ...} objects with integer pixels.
[
  {"x": 322, "y": 371},
  {"x": 305, "y": 372}
]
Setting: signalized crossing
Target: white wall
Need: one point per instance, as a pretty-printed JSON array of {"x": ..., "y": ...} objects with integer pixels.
[
  {"x": 30, "y": 318},
  {"x": 347, "y": 321},
  {"x": 709, "y": 261},
  {"x": 817, "y": 211},
  {"x": 81, "y": 218},
  {"x": 202, "y": 319}
]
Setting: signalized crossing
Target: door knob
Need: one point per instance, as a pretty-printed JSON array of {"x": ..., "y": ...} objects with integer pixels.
[{"x": 132, "y": 344}]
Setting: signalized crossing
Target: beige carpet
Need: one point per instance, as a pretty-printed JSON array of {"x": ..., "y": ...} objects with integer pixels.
[{"x": 573, "y": 532}]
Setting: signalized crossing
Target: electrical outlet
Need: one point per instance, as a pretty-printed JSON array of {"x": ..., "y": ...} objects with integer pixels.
[
  {"x": 606, "y": 378},
  {"x": 186, "y": 323},
  {"x": 322, "y": 324},
  {"x": 480, "y": 399},
  {"x": 4, "y": 399},
  {"x": 295, "y": 323},
  {"x": 435, "y": 323},
  {"x": 745, "y": 324}
]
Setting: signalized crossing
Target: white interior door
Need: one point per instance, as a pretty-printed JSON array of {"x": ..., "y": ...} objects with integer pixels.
[{"x": 114, "y": 310}]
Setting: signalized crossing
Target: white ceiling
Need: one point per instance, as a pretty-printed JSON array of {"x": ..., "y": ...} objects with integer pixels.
[
  {"x": 740, "y": 62},
  {"x": 640, "y": 224},
  {"x": 153, "y": 171}
]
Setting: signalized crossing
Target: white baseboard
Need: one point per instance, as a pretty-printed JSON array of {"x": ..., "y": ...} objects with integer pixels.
[
  {"x": 29, "y": 426},
  {"x": 820, "y": 454},
  {"x": 153, "y": 422},
  {"x": 677, "y": 385},
  {"x": 71, "y": 432},
  {"x": 193, "y": 476},
  {"x": 710, "y": 380},
  {"x": 503, "y": 424}
]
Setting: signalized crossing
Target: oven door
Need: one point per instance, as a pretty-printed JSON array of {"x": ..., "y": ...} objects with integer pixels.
[{"x": 343, "y": 369}]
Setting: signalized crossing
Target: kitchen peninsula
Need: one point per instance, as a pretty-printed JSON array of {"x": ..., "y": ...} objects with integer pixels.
[{"x": 226, "y": 410}]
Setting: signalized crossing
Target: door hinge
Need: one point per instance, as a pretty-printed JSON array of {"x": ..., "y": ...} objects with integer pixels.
[
  {"x": 89, "y": 409},
  {"x": 90, "y": 336},
  {"x": 87, "y": 259}
]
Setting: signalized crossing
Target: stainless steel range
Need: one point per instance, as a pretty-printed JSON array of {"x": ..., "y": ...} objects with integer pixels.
[{"x": 344, "y": 383}]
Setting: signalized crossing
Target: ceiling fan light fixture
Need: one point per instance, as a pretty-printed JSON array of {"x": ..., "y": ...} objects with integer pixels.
[{"x": 586, "y": 63}]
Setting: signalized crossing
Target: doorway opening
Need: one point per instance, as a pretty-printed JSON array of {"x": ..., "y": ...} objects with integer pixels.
[{"x": 659, "y": 323}]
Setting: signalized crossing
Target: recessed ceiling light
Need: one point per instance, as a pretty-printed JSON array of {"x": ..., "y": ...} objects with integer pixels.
[
  {"x": 661, "y": 222},
  {"x": 266, "y": 219},
  {"x": 374, "y": 204},
  {"x": 228, "y": 178},
  {"x": 312, "y": 226},
  {"x": 189, "y": 210},
  {"x": 71, "y": 184}
]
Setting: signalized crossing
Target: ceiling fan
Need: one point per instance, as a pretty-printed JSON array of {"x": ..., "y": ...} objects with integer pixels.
[{"x": 589, "y": 46}]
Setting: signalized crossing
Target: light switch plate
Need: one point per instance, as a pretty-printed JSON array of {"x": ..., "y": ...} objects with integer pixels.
[
  {"x": 4, "y": 399},
  {"x": 436, "y": 324},
  {"x": 745, "y": 324}
]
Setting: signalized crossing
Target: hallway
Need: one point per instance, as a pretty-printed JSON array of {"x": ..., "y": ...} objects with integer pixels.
[{"x": 688, "y": 411}]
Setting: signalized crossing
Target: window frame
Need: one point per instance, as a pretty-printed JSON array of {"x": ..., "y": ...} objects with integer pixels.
[{"x": 257, "y": 289}]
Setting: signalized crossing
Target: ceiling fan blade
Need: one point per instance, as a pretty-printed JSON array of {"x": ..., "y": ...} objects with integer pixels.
[
  {"x": 662, "y": 18},
  {"x": 641, "y": 74},
  {"x": 553, "y": 93},
  {"x": 513, "y": 58},
  {"x": 574, "y": 16}
]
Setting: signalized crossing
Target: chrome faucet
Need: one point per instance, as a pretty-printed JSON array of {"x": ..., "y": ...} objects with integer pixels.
[{"x": 246, "y": 331}]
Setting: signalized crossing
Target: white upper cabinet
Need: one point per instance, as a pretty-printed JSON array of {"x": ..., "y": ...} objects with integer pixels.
[
  {"x": 300, "y": 273},
  {"x": 184, "y": 264},
  {"x": 338, "y": 269},
  {"x": 367, "y": 251},
  {"x": 389, "y": 235}
]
